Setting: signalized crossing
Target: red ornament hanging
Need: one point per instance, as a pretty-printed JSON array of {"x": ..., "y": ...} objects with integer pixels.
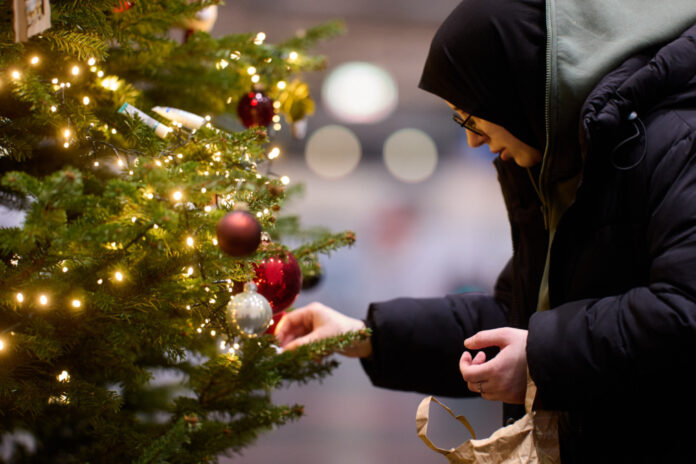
[
  {"x": 279, "y": 279},
  {"x": 238, "y": 233},
  {"x": 255, "y": 109},
  {"x": 122, "y": 5}
]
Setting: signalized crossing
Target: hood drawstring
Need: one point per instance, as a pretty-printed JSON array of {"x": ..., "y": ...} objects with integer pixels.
[{"x": 640, "y": 129}]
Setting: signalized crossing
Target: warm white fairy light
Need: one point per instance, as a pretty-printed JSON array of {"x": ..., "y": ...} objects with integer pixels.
[
  {"x": 85, "y": 100},
  {"x": 199, "y": 330},
  {"x": 259, "y": 214},
  {"x": 16, "y": 74},
  {"x": 118, "y": 276},
  {"x": 260, "y": 37},
  {"x": 255, "y": 78},
  {"x": 100, "y": 281},
  {"x": 20, "y": 297},
  {"x": 43, "y": 300},
  {"x": 113, "y": 131},
  {"x": 2, "y": 345},
  {"x": 53, "y": 108},
  {"x": 222, "y": 64},
  {"x": 189, "y": 241},
  {"x": 96, "y": 164},
  {"x": 62, "y": 85},
  {"x": 208, "y": 209},
  {"x": 64, "y": 377},
  {"x": 66, "y": 133},
  {"x": 277, "y": 126},
  {"x": 274, "y": 153},
  {"x": 235, "y": 55},
  {"x": 235, "y": 346},
  {"x": 276, "y": 118},
  {"x": 65, "y": 268},
  {"x": 215, "y": 242},
  {"x": 276, "y": 104},
  {"x": 266, "y": 211},
  {"x": 120, "y": 163},
  {"x": 213, "y": 333},
  {"x": 293, "y": 56},
  {"x": 75, "y": 70},
  {"x": 285, "y": 180},
  {"x": 158, "y": 163},
  {"x": 155, "y": 226},
  {"x": 100, "y": 73},
  {"x": 76, "y": 303},
  {"x": 251, "y": 70},
  {"x": 149, "y": 195},
  {"x": 93, "y": 69},
  {"x": 203, "y": 190},
  {"x": 179, "y": 155},
  {"x": 281, "y": 84},
  {"x": 134, "y": 219},
  {"x": 222, "y": 345},
  {"x": 66, "y": 145},
  {"x": 188, "y": 307},
  {"x": 189, "y": 271},
  {"x": 177, "y": 195},
  {"x": 212, "y": 301},
  {"x": 34, "y": 60},
  {"x": 91, "y": 62}
]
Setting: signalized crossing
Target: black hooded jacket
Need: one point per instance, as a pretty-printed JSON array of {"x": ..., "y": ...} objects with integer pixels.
[{"x": 615, "y": 351}]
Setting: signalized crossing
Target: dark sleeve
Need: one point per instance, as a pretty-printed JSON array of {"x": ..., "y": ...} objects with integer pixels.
[
  {"x": 417, "y": 343},
  {"x": 609, "y": 347}
]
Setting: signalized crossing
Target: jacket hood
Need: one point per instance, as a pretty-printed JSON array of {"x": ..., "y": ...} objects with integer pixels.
[{"x": 487, "y": 59}]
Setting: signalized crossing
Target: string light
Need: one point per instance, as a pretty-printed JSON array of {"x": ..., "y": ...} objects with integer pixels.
[
  {"x": 235, "y": 346},
  {"x": 149, "y": 195},
  {"x": 75, "y": 70},
  {"x": 43, "y": 300},
  {"x": 64, "y": 377},
  {"x": 177, "y": 195},
  {"x": 53, "y": 108},
  {"x": 293, "y": 56},
  {"x": 16, "y": 74},
  {"x": 85, "y": 100},
  {"x": 91, "y": 62},
  {"x": 199, "y": 330},
  {"x": 179, "y": 155},
  {"x": 212, "y": 333},
  {"x": 189, "y": 271},
  {"x": 100, "y": 73},
  {"x": 281, "y": 84},
  {"x": 274, "y": 153},
  {"x": 277, "y": 127},
  {"x": 189, "y": 241},
  {"x": 76, "y": 303},
  {"x": 96, "y": 164},
  {"x": 215, "y": 242},
  {"x": 113, "y": 131},
  {"x": 118, "y": 276},
  {"x": 65, "y": 268},
  {"x": 188, "y": 307},
  {"x": 235, "y": 55},
  {"x": 276, "y": 104},
  {"x": 255, "y": 78},
  {"x": 66, "y": 144},
  {"x": 134, "y": 219},
  {"x": 260, "y": 37},
  {"x": 34, "y": 60},
  {"x": 212, "y": 301},
  {"x": 222, "y": 64},
  {"x": 2, "y": 345},
  {"x": 222, "y": 345},
  {"x": 285, "y": 180},
  {"x": 208, "y": 209},
  {"x": 20, "y": 297},
  {"x": 100, "y": 281},
  {"x": 251, "y": 70},
  {"x": 66, "y": 133}
]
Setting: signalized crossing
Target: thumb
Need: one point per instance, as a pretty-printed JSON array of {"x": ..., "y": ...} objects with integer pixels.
[{"x": 486, "y": 338}]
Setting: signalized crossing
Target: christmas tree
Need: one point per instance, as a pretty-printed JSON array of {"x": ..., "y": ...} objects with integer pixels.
[{"x": 130, "y": 326}]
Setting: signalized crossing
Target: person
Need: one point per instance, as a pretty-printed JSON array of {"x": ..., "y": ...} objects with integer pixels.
[{"x": 590, "y": 107}]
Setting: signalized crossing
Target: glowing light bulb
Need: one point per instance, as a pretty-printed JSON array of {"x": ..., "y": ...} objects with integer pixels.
[
  {"x": 85, "y": 100},
  {"x": 260, "y": 37},
  {"x": 91, "y": 62},
  {"x": 212, "y": 333},
  {"x": 235, "y": 55},
  {"x": 100, "y": 281},
  {"x": 113, "y": 131},
  {"x": 235, "y": 346},
  {"x": 208, "y": 209},
  {"x": 203, "y": 190},
  {"x": 277, "y": 127},
  {"x": 76, "y": 303},
  {"x": 100, "y": 73},
  {"x": 276, "y": 118},
  {"x": 189, "y": 241},
  {"x": 281, "y": 84},
  {"x": 293, "y": 56},
  {"x": 222, "y": 64},
  {"x": 149, "y": 195},
  {"x": 20, "y": 297},
  {"x": 66, "y": 145},
  {"x": 16, "y": 74},
  {"x": 285, "y": 180},
  {"x": 188, "y": 307},
  {"x": 34, "y": 60},
  {"x": 75, "y": 70},
  {"x": 255, "y": 78},
  {"x": 64, "y": 377},
  {"x": 134, "y": 219},
  {"x": 96, "y": 164},
  {"x": 222, "y": 345},
  {"x": 65, "y": 269},
  {"x": 251, "y": 70},
  {"x": 66, "y": 133},
  {"x": 215, "y": 242},
  {"x": 189, "y": 271},
  {"x": 53, "y": 108},
  {"x": 276, "y": 104},
  {"x": 199, "y": 330},
  {"x": 179, "y": 155},
  {"x": 274, "y": 153},
  {"x": 178, "y": 195},
  {"x": 118, "y": 276},
  {"x": 259, "y": 214},
  {"x": 43, "y": 300}
]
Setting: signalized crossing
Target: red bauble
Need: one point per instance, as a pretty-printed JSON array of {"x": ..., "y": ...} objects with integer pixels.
[
  {"x": 238, "y": 233},
  {"x": 279, "y": 279},
  {"x": 255, "y": 109},
  {"x": 122, "y": 5}
]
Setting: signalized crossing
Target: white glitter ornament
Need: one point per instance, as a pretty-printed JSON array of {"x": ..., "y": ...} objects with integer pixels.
[{"x": 249, "y": 312}]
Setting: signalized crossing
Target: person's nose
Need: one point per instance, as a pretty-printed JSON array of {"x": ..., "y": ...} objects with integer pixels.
[{"x": 475, "y": 140}]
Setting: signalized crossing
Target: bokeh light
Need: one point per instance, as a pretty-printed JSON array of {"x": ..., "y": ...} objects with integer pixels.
[
  {"x": 333, "y": 151},
  {"x": 410, "y": 155}
]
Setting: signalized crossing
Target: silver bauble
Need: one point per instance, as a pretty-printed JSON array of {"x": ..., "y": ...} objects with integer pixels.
[{"x": 249, "y": 312}]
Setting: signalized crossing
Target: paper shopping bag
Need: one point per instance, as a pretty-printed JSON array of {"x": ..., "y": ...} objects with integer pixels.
[{"x": 530, "y": 440}]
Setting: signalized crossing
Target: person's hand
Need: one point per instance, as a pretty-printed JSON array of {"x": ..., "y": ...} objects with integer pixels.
[
  {"x": 316, "y": 321},
  {"x": 503, "y": 378}
]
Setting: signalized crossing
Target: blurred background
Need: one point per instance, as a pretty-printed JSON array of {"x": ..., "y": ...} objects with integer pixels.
[{"x": 383, "y": 158}]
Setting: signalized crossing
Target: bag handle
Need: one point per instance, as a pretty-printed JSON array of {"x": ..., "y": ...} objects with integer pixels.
[{"x": 422, "y": 418}]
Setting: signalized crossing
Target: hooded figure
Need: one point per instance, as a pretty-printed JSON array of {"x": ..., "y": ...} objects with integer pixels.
[{"x": 601, "y": 284}]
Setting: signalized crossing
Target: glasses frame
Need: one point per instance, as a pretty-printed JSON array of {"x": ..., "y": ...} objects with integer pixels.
[{"x": 468, "y": 123}]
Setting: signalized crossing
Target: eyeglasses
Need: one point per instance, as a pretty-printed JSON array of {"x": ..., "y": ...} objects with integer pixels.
[{"x": 468, "y": 123}]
